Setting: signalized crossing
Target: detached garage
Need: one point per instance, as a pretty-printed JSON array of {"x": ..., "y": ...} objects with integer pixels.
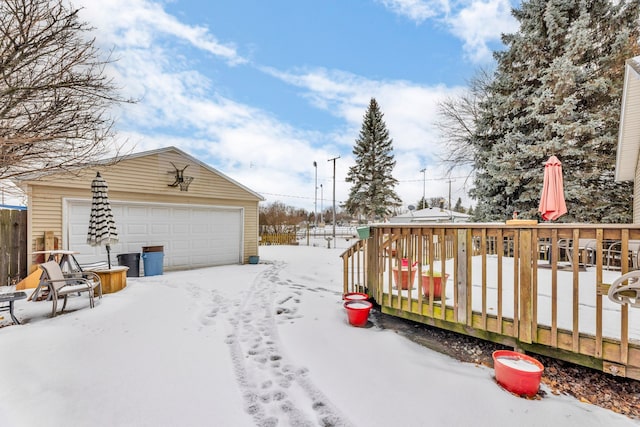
[{"x": 208, "y": 220}]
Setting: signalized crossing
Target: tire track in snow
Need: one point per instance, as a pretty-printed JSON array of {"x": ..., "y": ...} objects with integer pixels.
[{"x": 276, "y": 392}]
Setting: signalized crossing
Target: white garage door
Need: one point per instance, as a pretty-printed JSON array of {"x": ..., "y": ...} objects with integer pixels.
[{"x": 192, "y": 236}]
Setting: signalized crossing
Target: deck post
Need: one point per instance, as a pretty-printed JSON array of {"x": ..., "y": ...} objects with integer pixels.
[
  {"x": 373, "y": 261},
  {"x": 526, "y": 294}
]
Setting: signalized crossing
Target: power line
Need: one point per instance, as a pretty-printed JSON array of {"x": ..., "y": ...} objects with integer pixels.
[
  {"x": 435, "y": 179},
  {"x": 291, "y": 196},
  {"x": 407, "y": 180}
]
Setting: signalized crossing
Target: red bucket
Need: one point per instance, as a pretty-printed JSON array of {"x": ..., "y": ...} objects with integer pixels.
[
  {"x": 518, "y": 373},
  {"x": 438, "y": 283},
  {"x": 404, "y": 262},
  {"x": 402, "y": 279},
  {"x": 358, "y": 312},
  {"x": 355, "y": 296}
]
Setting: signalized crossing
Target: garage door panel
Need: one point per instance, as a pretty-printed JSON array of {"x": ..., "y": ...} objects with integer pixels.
[
  {"x": 180, "y": 245},
  {"x": 181, "y": 228},
  {"x": 133, "y": 229},
  {"x": 179, "y": 262},
  {"x": 191, "y": 236},
  {"x": 160, "y": 229},
  {"x": 199, "y": 228},
  {"x": 135, "y": 211},
  {"x": 202, "y": 244},
  {"x": 182, "y": 213},
  {"x": 201, "y": 260},
  {"x": 159, "y": 212},
  {"x": 200, "y": 214}
]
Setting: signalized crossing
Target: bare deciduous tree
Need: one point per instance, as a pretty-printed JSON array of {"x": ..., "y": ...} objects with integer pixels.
[
  {"x": 280, "y": 218},
  {"x": 54, "y": 94},
  {"x": 458, "y": 118}
]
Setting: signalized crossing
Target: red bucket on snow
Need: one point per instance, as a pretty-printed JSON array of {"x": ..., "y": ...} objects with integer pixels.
[
  {"x": 358, "y": 311},
  {"x": 518, "y": 373},
  {"x": 355, "y": 296}
]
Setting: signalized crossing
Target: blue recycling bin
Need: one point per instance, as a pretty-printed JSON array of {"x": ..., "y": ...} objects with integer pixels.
[{"x": 152, "y": 258}]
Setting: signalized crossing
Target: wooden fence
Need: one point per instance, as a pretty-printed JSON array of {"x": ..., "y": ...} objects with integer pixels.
[
  {"x": 278, "y": 239},
  {"x": 13, "y": 246},
  {"x": 541, "y": 288}
]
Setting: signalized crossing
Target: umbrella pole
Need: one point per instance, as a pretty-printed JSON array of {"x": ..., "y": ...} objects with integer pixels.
[{"x": 109, "y": 255}]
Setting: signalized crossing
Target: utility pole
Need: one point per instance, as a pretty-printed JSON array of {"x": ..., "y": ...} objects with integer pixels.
[
  {"x": 424, "y": 186},
  {"x": 334, "y": 198},
  {"x": 450, "y": 209},
  {"x": 321, "y": 205},
  {"x": 315, "y": 199}
]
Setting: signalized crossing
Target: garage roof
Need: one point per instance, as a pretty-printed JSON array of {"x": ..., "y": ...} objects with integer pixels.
[{"x": 629, "y": 133}]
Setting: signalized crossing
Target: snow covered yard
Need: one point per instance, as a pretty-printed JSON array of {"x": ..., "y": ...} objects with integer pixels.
[{"x": 252, "y": 345}]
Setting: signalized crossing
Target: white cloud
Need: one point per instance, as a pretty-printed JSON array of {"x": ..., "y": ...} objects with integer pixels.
[
  {"x": 481, "y": 23},
  {"x": 138, "y": 23},
  {"x": 409, "y": 108},
  {"x": 477, "y": 23},
  {"x": 417, "y": 10}
]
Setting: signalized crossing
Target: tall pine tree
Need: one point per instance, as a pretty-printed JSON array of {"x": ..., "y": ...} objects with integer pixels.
[
  {"x": 557, "y": 91},
  {"x": 372, "y": 193}
]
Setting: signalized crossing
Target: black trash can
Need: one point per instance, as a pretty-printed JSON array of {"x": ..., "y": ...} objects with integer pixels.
[{"x": 132, "y": 261}]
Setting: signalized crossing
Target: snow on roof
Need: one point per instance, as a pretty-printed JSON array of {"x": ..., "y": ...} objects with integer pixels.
[{"x": 431, "y": 215}]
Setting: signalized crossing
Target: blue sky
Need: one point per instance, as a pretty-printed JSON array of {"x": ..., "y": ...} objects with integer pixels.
[{"x": 261, "y": 89}]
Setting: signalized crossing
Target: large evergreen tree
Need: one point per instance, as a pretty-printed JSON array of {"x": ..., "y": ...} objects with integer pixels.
[
  {"x": 372, "y": 194},
  {"x": 557, "y": 91}
]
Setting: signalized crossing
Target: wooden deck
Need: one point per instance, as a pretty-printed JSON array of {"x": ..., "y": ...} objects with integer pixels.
[{"x": 539, "y": 288}]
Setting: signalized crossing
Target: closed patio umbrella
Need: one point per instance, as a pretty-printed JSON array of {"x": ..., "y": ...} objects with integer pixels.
[
  {"x": 102, "y": 227},
  {"x": 552, "y": 204}
]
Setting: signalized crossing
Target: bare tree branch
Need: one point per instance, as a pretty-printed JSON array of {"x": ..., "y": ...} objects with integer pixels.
[
  {"x": 457, "y": 123},
  {"x": 54, "y": 94}
]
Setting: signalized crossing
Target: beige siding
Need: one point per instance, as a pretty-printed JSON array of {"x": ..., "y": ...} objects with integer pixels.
[
  {"x": 629, "y": 140},
  {"x": 250, "y": 231},
  {"x": 142, "y": 179},
  {"x": 150, "y": 176}
]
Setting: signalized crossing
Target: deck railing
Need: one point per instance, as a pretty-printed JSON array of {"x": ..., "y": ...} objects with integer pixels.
[{"x": 541, "y": 288}]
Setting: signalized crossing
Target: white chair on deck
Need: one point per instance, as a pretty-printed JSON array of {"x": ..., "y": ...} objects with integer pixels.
[
  {"x": 586, "y": 250},
  {"x": 628, "y": 293},
  {"x": 614, "y": 255}
]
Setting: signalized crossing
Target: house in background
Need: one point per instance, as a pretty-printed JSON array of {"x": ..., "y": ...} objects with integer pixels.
[
  {"x": 213, "y": 221},
  {"x": 430, "y": 215},
  {"x": 627, "y": 167}
]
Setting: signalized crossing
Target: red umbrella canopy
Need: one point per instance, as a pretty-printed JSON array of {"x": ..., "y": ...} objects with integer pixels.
[{"x": 552, "y": 205}]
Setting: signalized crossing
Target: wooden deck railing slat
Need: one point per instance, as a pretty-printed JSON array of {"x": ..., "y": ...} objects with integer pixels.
[
  {"x": 555, "y": 255},
  {"x": 599, "y": 297},
  {"x": 483, "y": 254},
  {"x": 576, "y": 294}
]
